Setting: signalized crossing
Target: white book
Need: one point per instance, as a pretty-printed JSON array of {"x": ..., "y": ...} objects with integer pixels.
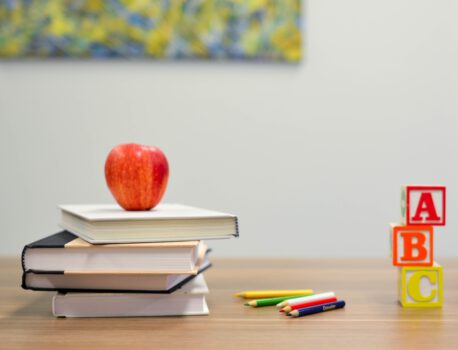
[
  {"x": 109, "y": 223},
  {"x": 189, "y": 300}
]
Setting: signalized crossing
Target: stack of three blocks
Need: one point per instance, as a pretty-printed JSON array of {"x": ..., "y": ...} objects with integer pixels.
[{"x": 420, "y": 281}]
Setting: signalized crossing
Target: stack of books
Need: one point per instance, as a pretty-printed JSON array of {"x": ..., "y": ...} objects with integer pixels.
[{"x": 112, "y": 263}]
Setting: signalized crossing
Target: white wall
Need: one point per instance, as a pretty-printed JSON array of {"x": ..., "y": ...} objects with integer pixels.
[{"x": 310, "y": 157}]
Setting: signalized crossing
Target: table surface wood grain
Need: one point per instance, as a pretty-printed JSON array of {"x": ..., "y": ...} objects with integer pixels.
[{"x": 372, "y": 318}]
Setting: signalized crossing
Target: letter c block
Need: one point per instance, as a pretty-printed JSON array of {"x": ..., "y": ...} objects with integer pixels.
[{"x": 420, "y": 286}]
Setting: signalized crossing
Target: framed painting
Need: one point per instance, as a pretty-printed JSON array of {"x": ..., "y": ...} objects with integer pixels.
[{"x": 157, "y": 29}]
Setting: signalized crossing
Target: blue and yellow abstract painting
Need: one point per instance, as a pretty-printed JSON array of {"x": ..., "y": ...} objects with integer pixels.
[{"x": 159, "y": 29}]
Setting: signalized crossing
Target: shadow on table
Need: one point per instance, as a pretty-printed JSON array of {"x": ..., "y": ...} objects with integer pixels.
[{"x": 36, "y": 307}]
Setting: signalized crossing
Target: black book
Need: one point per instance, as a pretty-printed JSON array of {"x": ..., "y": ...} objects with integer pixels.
[{"x": 66, "y": 252}]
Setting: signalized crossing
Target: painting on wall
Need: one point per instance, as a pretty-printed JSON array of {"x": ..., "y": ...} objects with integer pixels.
[{"x": 158, "y": 29}]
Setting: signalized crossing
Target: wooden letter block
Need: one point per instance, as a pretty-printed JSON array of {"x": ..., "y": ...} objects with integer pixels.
[
  {"x": 423, "y": 205},
  {"x": 420, "y": 286},
  {"x": 412, "y": 245}
]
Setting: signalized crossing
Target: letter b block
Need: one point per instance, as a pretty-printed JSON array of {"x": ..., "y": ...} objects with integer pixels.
[
  {"x": 423, "y": 205},
  {"x": 412, "y": 245},
  {"x": 420, "y": 286}
]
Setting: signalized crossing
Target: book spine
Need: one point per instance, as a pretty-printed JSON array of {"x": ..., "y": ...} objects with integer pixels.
[
  {"x": 236, "y": 227},
  {"x": 23, "y": 283},
  {"x": 23, "y": 257}
]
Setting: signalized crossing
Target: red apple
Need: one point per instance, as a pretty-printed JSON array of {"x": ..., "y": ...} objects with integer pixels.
[{"x": 136, "y": 175}]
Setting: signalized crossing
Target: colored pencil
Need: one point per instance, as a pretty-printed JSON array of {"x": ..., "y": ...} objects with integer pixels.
[
  {"x": 316, "y": 309},
  {"x": 307, "y": 304},
  {"x": 259, "y": 294},
  {"x": 269, "y": 301},
  {"x": 292, "y": 302}
]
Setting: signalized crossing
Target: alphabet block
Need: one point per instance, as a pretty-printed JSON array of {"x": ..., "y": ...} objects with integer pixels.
[
  {"x": 423, "y": 205},
  {"x": 420, "y": 286},
  {"x": 412, "y": 245}
]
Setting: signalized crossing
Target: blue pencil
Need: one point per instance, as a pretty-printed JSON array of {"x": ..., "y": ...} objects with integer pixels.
[{"x": 316, "y": 309}]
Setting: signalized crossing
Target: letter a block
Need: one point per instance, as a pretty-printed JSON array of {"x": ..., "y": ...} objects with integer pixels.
[
  {"x": 420, "y": 286},
  {"x": 412, "y": 245},
  {"x": 423, "y": 205}
]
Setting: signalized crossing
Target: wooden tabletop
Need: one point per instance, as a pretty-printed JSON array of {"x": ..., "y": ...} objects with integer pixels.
[{"x": 372, "y": 318}]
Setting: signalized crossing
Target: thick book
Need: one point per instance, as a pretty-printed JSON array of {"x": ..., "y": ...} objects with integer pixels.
[
  {"x": 100, "y": 224},
  {"x": 101, "y": 283},
  {"x": 189, "y": 300},
  {"x": 65, "y": 252}
]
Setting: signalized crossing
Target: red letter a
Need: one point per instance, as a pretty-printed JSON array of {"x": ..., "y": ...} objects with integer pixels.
[{"x": 426, "y": 204}]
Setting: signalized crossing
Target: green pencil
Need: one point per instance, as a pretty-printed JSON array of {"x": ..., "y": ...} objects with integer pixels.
[{"x": 272, "y": 301}]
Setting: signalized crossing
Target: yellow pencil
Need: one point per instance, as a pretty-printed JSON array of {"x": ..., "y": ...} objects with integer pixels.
[{"x": 258, "y": 294}]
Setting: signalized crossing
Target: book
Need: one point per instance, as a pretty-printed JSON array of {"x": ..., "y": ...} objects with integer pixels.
[
  {"x": 101, "y": 283},
  {"x": 66, "y": 252},
  {"x": 189, "y": 300},
  {"x": 99, "y": 224}
]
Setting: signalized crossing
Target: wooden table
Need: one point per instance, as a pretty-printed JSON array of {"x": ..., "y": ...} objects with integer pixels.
[{"x": 372, "y": 318}]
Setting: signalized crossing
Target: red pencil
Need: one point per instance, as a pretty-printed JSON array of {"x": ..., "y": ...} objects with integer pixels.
[{"x": 307, "y": 304}]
